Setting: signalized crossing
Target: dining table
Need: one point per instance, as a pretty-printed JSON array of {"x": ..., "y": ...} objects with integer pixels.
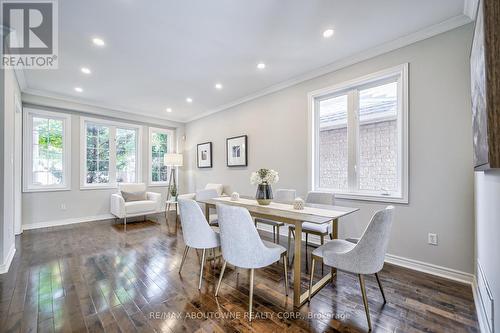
[{"x": 284, "y": 212}]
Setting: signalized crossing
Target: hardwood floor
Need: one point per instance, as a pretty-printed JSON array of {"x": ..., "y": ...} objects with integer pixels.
[{"x": 94, "y": 277}]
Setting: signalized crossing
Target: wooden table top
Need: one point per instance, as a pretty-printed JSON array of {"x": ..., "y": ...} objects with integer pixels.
[{"x": 314, "y": 213}]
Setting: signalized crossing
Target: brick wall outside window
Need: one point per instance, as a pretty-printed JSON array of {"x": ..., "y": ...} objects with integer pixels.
[{"x": 378, "y": 157}]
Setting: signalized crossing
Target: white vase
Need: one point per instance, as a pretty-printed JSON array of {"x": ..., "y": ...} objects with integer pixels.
[{"x": 298, "y": 204}]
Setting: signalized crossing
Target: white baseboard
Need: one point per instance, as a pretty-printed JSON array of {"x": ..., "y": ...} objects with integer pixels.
[
  {"x": 74, "y": 220},
  {"x": 4, "y": 268},
  {"x": 67, "y": 221},
  {"x": 481, "y": 314},
  {"x": 444, "y": 272}
]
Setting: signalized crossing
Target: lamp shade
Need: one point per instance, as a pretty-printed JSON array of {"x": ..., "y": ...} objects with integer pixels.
[{"x": 173, "y": 159}]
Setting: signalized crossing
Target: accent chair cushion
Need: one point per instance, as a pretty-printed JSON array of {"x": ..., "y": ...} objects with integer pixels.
[
  {"x": 134, "y": 196},
  {"x": 137, "y": 207}
]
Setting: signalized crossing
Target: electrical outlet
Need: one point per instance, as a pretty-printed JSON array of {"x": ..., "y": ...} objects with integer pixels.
[
  {"x": 63, "y": 206},
  {"x": 432, "y": 239}
]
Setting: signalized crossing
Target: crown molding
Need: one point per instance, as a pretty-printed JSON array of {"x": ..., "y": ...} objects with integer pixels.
[
  {"x": 470, "y": 8},
  {"x": 420, "y": 35},
  {"x": 52, "y": 100}
]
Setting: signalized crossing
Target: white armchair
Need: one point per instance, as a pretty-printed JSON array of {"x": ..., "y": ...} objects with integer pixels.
[{"x": 123, "y": 210}]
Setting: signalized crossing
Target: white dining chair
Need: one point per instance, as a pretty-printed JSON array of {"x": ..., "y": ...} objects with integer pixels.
[
  {"x": 281, "y": 196},
  {"x": 196, "y": 232},
  {"x": 242, "y": 247},
  {"x": 321, "y": 230},
  {"x": 206, "y": 194},
  {"x": 364, "y": 257}
]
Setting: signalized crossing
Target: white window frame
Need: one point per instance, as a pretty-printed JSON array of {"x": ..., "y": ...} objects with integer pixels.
[
  {"x": 171, "y": 146},
  {"x": 401, "y": 72},
  {"x": 28, "y": 186},
  {"x": 113, "y": 125}
]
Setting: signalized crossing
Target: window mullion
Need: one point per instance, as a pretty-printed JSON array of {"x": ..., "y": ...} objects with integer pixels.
[
  {"x": 352, "y": 140},
  {"x": 112, "y": 155}
]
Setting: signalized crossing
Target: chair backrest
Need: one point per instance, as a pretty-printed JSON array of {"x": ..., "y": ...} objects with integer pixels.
[
  {"x": 218, "y": 187},
  {"x": 131, "y": 187},
  {"x": 284, "y": 195},
  {"x": 195, "y": 229},
  {"x": 371, "y": 248},
  {"x": 206, "y": 194},
  {"x": 240, "y": 242},
  {"x": 320, "y": 198}
]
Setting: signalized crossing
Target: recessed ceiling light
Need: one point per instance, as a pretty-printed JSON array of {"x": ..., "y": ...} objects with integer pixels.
[
  {"x": 261, "y": 65},
  {"x": 78, "y": 89},
  {"x": 169, "y": 110},
  {"x": 218, "y": 86},
  {"x": 86, "y": 70},
  {"x": 189, "y": 100},
  {"x": 97, "y": 41},
  {"x": 328, "y": 33}
]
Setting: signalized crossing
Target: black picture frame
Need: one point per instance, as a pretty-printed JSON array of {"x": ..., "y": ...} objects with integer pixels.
[
  {"x": 242, "y": 159},
  {"x": 209, "y": 158}
]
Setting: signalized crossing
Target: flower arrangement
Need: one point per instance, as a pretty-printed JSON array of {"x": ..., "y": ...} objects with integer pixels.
[{"x": 264, "y": 177}]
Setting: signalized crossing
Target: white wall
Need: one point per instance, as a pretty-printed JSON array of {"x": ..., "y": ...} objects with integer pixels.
[
  {"x": 487, "y": 185},
  {"x": 44, "y": 208},
  {"x": 441, "y": 181}
]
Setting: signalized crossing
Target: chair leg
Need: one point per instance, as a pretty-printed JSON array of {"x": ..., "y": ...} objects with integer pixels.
[
  {"x": 201, "y": 269},
  {"x": 125, "y": 224},
  {"x": 220, "y": 278},
  {"x": 186, "y": 249},
  {"x": 250, "y": 302},
  {"x": 274, "y": 234},
  {"x": 285, "y": 269},
  {"x": 365, "y": 301},
  {"x": 277, "y": 234},
  {"x": 311, "y": 278},
  {"x": 380, "y": 286}
]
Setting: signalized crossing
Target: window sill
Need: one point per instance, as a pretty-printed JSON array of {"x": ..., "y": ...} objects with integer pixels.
[
  {"x": 46, "y": 189},
  {"x": 367, "y": 197},
  {"x": 97, "y": 187},
  {"x": 165, "y": 184}
]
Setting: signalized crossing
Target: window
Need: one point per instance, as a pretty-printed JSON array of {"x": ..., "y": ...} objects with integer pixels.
[
  {"x": 47, "y": 144},
  {"x": 359, "y": 142},
  {"x": 160, "y": 143},
  {"x": 111, "y": 153}
]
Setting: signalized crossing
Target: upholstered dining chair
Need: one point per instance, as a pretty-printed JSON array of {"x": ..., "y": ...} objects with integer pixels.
[
  {"x": 280, "y": 196},
  {"x": 196, "y": 232},
  {"x": 242, "y": 246},
  {"x": 205, "y": 195},
  {"x": 321, "y": 230},
  {"x": 364, "y": 257}
]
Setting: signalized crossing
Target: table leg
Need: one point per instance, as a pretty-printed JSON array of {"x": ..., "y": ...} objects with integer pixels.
[
  {"x": 297, "y": 264},
  {"x": 335, "y": 229},
  {"x": 335, "y": 235},
  {"x": 207, "y": 213}
]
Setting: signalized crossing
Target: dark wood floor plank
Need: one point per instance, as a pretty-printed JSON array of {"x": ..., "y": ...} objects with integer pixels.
[{"x": 92, "y": 277}]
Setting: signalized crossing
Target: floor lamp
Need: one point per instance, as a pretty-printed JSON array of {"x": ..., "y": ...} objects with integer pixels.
[{"x": 172, "y": 160}]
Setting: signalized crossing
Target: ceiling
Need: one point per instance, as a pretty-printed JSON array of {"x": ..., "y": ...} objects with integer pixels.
[{"x": 158, "y": 53}]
